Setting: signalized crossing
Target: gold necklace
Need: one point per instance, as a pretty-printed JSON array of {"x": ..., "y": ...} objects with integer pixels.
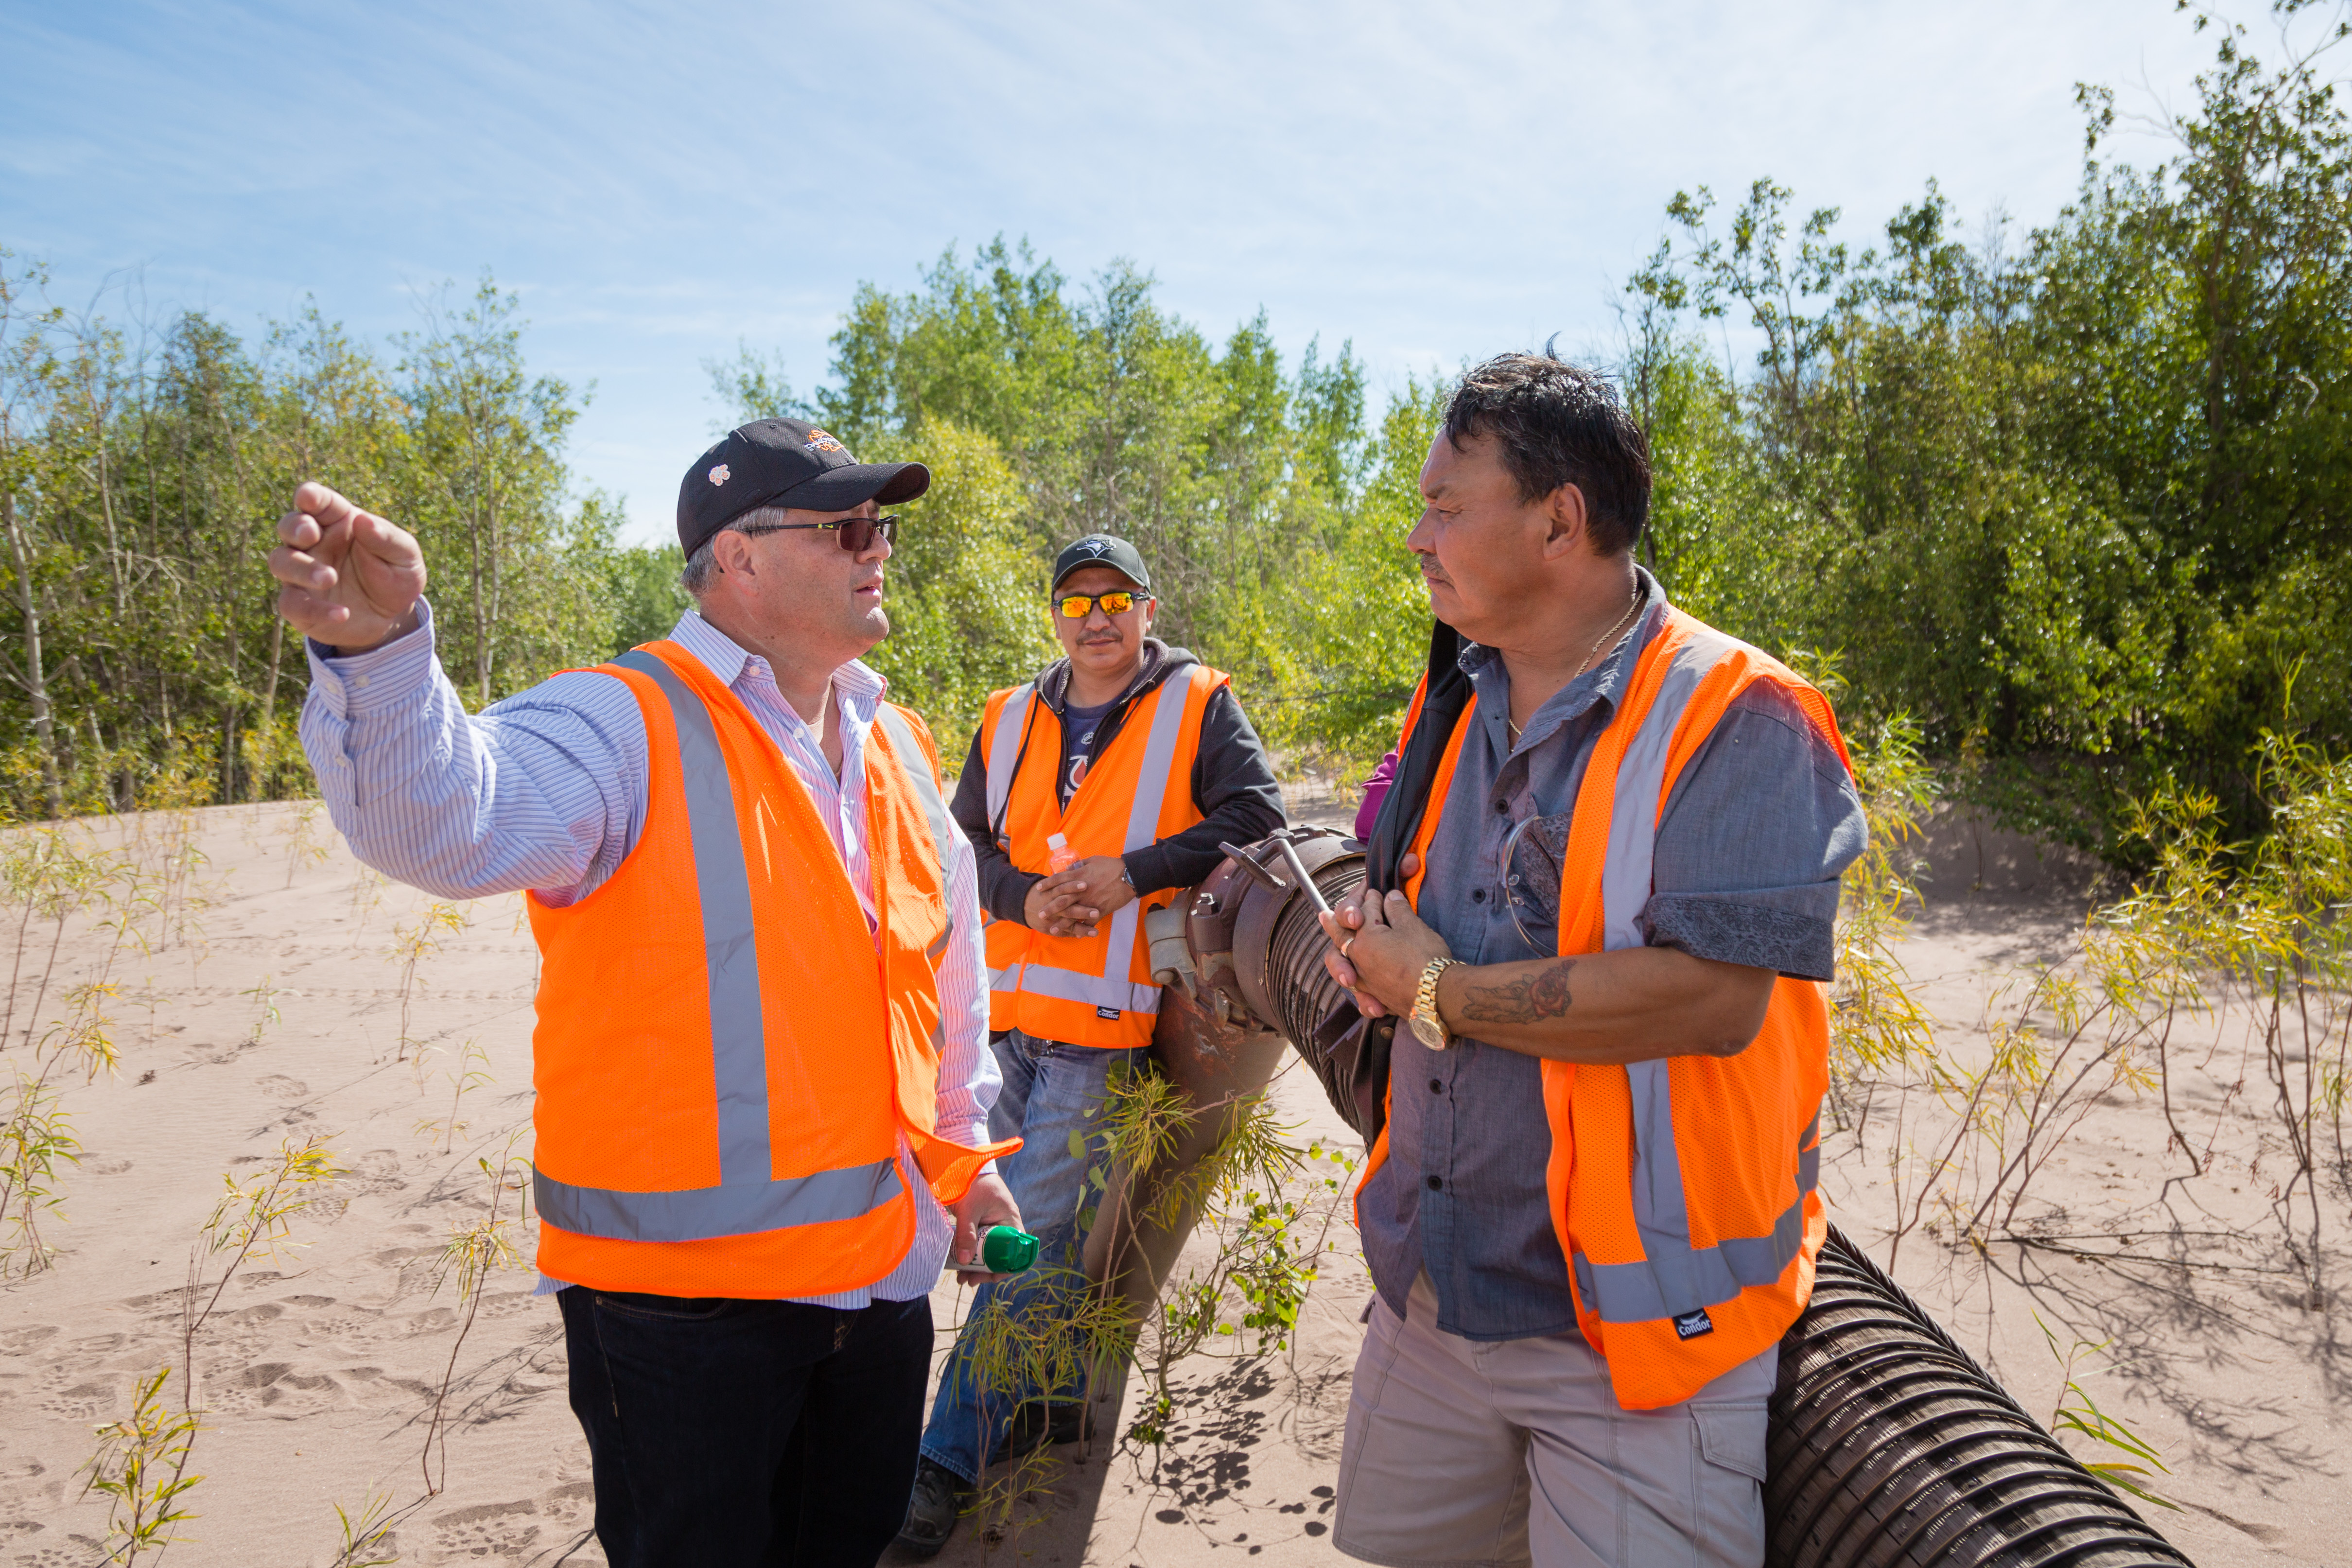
[
  {"x": 1631, "y": 606},
  {"x": 1511, "y": 730}
]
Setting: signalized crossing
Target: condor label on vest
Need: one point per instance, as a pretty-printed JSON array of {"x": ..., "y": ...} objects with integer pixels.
[
  {"x": 1110, "y": 1012},
  {"x": 1690, "y": 1325}
]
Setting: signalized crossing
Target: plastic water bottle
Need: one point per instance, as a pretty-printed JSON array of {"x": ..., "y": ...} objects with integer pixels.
[{"x": 1061, "y": 856}]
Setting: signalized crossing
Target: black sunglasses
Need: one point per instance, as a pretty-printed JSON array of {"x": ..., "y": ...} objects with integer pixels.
[{"x": 856, "y": 532}]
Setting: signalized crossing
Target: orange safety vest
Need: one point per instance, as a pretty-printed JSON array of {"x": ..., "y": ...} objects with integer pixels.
[
  {"x": 1684, "y": 1190},
  {"x": 728, "y": 1054},
  {"x": 1095, "y": 990}
]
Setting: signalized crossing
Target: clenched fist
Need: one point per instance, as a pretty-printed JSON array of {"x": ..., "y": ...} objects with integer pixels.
[{"x": 352, "y": 579}]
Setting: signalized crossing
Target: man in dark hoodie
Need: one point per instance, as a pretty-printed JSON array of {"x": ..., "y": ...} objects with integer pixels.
[{"x": 1128, "y": 762}]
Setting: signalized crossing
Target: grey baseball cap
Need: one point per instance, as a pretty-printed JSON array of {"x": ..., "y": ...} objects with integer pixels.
[{"x": 1102, "y": 550}]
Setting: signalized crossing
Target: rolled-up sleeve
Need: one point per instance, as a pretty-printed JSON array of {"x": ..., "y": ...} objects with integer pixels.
[
  {"x": 545, "y": 790},
  {"x": 1761, "y": 824}
]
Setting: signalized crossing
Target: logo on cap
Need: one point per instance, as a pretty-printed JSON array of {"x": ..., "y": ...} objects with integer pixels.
[
  {"x": 818, "y": 441},
  {"x": 1094, "y": 546},
  {"x": 719, "y": 476}
]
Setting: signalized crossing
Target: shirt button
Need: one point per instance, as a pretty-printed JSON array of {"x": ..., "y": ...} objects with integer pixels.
[
  {"x": 1437, "y": 1086},
  {"x": 359, "y": 681},
  {"x": 1503, "y": 806},
  {"x": 1478, "y": 896},
  {"x": 1436, "y": 1184}
]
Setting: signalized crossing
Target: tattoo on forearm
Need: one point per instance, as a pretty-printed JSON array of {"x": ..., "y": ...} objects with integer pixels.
[{"x": 1543, "y": 994}]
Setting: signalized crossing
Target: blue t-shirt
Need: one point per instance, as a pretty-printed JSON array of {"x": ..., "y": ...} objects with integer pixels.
[{"x": 1078, "y": 727}]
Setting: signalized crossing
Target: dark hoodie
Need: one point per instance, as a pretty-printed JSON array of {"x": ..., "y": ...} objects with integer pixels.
[{"x": 1233, "y": 785}]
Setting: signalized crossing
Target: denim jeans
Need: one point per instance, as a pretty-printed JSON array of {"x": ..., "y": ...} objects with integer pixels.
[
  {"x": 769, "y": 1433},
  {"x": 1048, "y": 1090}
]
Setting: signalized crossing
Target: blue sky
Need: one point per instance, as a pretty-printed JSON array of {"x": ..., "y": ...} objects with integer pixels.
[{"x": 658, "y": 182}]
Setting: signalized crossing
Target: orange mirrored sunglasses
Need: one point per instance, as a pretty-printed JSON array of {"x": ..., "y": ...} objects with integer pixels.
[{"x": 1077, "y": 606}]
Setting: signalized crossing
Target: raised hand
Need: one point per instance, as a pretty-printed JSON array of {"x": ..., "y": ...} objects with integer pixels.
[{"x": 352, "y": 580}]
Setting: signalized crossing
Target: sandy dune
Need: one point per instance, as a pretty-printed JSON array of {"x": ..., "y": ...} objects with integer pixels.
[{"x": 322, "y": 1362}]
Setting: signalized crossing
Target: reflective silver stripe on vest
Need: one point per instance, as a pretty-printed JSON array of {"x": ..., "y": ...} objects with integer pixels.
[
  {"x": 749, "y": 1199},
  {"x": 1094, "y": 990},
  {"x": 739, "y": 1040},
  {"x": 1625, "y": 873},
  {"x": 707, "y": 1214},
  {"x": 1143, "y": 817},
  {"x": 1004, "y": 751},
  {"x": 1109, "y": 986},
  {"x": 1675, "y": 1276},
  {"x": 915, "y": 763}
]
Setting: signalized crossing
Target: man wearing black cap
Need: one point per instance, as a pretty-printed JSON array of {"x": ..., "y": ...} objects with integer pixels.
[
  {"x": 763, "y": 1075},
  {"x": 1091, "y": 794}
]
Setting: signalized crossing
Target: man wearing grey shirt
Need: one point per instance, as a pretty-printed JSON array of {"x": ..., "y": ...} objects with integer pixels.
[{"x": 1509, "y": 1407}]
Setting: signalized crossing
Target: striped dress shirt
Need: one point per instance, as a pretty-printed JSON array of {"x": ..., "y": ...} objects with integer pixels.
[{"x": 547, "y": 791}]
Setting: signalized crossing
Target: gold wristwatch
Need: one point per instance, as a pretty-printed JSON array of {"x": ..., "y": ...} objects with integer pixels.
[{"x": 1427, "y": 1026}]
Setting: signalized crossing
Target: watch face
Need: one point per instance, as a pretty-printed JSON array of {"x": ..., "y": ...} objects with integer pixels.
[{"x": 1428, "y": 1032}]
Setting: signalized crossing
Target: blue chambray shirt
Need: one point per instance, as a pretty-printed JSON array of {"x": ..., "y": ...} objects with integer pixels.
[{"x": 1761, "y": 823}]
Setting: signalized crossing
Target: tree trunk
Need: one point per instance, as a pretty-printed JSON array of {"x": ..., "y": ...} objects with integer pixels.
[
  {"x": 269, "y": 706},
  {"x": 37, "y": 686}
]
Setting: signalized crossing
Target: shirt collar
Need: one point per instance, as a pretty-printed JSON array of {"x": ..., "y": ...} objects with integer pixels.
[
  {"x": 1598, "y": 685},
  {"x": 729, "y": 660}
]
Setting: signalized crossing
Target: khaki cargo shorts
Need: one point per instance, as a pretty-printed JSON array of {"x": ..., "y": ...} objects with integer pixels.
[{"x": 1463, "y": 1453}]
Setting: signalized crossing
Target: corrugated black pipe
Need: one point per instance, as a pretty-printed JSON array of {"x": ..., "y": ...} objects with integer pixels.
[{"x": 1890, "y": 1448}]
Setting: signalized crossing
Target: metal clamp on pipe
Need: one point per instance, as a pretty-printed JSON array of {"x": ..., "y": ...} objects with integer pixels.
[{"x": 1253, "y": 931}]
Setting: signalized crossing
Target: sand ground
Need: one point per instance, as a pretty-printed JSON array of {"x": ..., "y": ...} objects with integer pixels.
[{"x": 322, "y": 1362}]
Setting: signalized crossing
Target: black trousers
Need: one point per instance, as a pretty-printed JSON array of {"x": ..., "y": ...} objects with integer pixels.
[{"x": 729, "y": 1434}]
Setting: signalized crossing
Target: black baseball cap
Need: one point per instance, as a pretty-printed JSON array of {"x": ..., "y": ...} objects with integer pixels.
[
  {"x": 783, "y": 462},
  {"x": 1101, "y": 550}
]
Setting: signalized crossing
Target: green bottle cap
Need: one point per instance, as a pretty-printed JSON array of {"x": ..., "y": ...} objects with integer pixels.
[{"x": 1006, "y": 1250}]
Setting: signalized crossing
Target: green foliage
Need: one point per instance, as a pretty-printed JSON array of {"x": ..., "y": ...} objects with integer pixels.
[
  {"x": 2076, "y": 505},
  {"x": 752, "y": 386},
  {"x": 141, "y": 662},
  {"x": 474, "y": 1251},
  {"x": 966, "y": 602},
  {"x": 36, "y": 1140},
  {"x": 1347, "y": 650},
  {"x": 1105, "y": 414},
  {"x": 2071, "y": 502},
  {"x": 2078, "y": 1412},
  {"x": 140, "y": 1468},
  {"x": 51, "y": 877},
  {"x": 647, "y": 599},
  {"x": 368, "y": 1534},
  {"x": 141, "y": 1465}
]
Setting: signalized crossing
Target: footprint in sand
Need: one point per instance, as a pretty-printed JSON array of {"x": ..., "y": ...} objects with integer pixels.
[
  {"x": 74, "y": 1551},
  {"x": 81, "y": 1402},
  {"x": 492, "y": 1529}
]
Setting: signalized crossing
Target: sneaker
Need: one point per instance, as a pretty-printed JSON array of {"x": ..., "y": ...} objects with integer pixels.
[{"x": 940, "y": 1497}]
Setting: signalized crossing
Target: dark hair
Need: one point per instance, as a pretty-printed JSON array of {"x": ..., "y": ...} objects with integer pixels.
[{"x": 1559, "y": 424}]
